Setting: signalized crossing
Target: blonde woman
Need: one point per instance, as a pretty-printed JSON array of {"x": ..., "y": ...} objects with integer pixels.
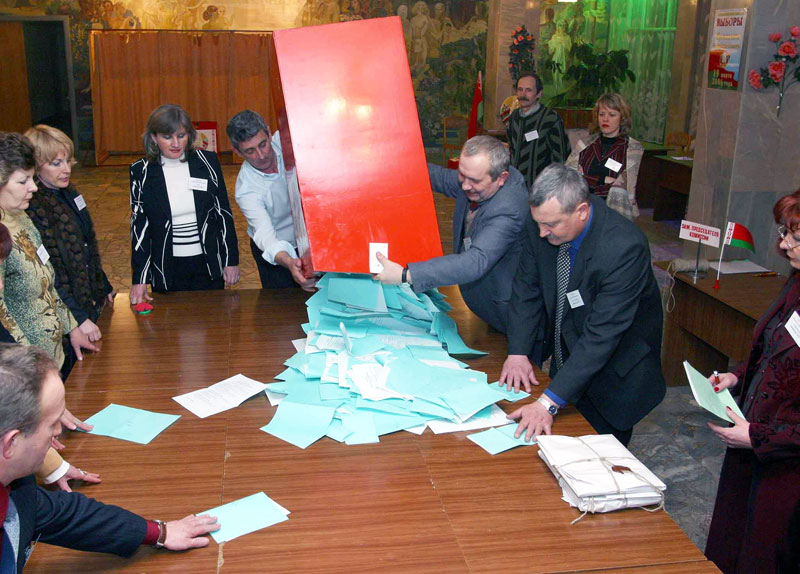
[{"x": 60, "y": 214}]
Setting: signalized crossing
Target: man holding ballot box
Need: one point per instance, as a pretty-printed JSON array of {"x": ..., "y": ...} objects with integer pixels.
[
  {"x": 488, "y": 220},
  {"x": 262, "y": 193},
  {"x": 584, "y": 293}
]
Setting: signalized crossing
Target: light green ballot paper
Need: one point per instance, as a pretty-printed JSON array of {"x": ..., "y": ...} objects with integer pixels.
[{"x": 705, "y": 396}]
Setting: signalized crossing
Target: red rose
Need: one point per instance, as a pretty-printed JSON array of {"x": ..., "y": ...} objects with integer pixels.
[
  {"x": 520, "y": 38},
  {"x": 787, "y": 49},
  {"x": 515, "y": 51},
  {"x": 530, "y": 38},
  {"x": 776, "y": 70},
  {"x": 519, "y": 28},
  {"x": 755, "y": 80},
  {"x": 795, "y": 31},
  {"x": 515, "y": 42},
  {"x": 774, "y": 37}
]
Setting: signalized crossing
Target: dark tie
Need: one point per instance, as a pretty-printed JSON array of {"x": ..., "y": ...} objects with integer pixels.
[
  {"x": 562, "y": 278},
  {"x": 10, "y": 541}
]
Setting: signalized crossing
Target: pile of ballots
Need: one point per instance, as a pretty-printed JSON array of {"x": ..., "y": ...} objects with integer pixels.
[{"x": 377, "y": 360}]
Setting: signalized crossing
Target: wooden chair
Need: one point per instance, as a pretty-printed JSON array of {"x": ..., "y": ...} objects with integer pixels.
[
  {"x": 680, "y": 141},
  {"x": 455, "y": 134}
]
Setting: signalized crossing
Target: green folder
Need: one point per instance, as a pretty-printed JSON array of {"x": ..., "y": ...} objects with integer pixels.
[{"x": 705, "y": 396}]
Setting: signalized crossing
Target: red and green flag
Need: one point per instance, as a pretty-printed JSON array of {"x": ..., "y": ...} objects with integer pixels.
[
  {"x": 476, "y": 114},
  {"x": 738, "y": 235}
]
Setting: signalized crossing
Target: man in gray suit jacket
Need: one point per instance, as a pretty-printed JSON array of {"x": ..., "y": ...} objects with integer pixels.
[
  {"x": 489, "y": 216},
  {"x": 611, "y": 318}
]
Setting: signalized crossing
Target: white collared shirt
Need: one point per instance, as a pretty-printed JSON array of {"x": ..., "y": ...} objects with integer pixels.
[{"x": 264, "y": 201}]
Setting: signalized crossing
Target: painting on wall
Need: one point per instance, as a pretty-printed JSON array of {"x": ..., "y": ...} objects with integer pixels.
[
  {"x": 445, "y": 41},
  {"x": 561, "y": 27}
]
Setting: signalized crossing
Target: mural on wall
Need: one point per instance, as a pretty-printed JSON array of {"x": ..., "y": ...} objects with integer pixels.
[
  {"x": 561, "y": 27},
  {"x": 445, "y": 41}
]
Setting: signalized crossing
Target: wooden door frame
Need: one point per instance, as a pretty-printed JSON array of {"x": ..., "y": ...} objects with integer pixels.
[{"x": 73, "y": 112}]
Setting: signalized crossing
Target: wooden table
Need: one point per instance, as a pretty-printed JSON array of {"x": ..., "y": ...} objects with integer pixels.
[
  {"x": 709, "y": 327},
  {"x": 672, "y": 188},
  {"x": 647, "y": 180},
  {"x": 430, "y": 503}
]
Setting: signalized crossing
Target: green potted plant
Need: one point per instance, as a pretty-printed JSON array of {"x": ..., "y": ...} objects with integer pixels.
[{"x": 592, "y": 74}]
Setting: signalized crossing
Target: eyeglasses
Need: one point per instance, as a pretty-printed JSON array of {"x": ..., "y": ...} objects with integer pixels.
[{"x": 787, "y": 237}]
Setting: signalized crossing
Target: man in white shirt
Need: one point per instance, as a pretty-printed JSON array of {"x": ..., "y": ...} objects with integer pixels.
[{"x": 263, "y": 196}]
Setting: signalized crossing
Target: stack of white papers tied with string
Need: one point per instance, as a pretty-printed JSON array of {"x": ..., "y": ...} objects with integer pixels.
[{"x": 597, "y": 474}]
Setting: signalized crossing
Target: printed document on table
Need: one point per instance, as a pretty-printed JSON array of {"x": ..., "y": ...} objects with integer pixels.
[
  {"x": 221, "y": 396},
  {"x": 707, "y": 398},
  {"x": 737, "y": 266}
]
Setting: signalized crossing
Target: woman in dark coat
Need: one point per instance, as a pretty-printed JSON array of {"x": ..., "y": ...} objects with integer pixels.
[
  {"x": 757, "y": 513},
  {"x": 60, "y": 214}
]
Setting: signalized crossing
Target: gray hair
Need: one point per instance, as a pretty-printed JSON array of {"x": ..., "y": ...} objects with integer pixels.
[
  {"x": 167, "y": 120},
  {"x": 23, "y": 370},
  {"x": 243, "y": 126},
  {"x": 495, "y": 150},
  {"x": 564, "y": 183}
]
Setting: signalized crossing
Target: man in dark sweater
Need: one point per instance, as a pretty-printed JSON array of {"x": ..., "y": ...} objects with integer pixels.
[
  {"x": 536, "y": 135},
  {"x": 31, "y": 409}
]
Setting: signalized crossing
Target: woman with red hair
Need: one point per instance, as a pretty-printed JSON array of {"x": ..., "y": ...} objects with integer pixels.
[{"x": 756, "y": 521}]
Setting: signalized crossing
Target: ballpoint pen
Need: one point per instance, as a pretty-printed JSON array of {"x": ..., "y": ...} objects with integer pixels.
[{"x": 767, "y": 274}]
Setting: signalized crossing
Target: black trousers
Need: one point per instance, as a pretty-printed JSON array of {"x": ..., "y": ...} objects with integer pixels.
[
  {"x": 272, "y": 276},
  {"x": 191, "y": 274},
  {"x": 599, "y": 422}
]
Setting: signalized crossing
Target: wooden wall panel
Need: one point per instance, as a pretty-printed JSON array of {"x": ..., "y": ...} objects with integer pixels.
[
  {"x": 14, "y": 99},
  {"x": 212, "y": 75}
]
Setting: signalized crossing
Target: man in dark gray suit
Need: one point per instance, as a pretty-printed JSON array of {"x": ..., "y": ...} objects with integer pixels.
[
  {"x": 489, "y": 216},
  {"x": 606, "y": 346}
]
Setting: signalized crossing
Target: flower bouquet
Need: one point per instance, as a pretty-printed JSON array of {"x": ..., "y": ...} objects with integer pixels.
[{"x": 783, "y": 70}]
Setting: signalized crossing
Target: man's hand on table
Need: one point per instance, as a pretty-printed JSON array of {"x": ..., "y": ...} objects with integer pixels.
[
  {"x": 189, "y": 532},
  {"x": 533, "y": 420},
  {"x": 518, "y": 371}
]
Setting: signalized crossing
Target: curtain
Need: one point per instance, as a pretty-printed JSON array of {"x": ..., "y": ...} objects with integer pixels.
[
  {"x": 647, "y": 31},
  {"x": 212, "y": 75}
]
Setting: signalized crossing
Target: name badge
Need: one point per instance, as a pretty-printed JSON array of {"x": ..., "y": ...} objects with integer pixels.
[
  {"x": 80, "y": 203},
  {"x": 198, "y": 184},
  {"x": 532, "y": 135},
  {"x": 793, "y": 326},
  {"x": 575, "y": 299},
  {"x": 613, "y": 165},
  {"x": 467, "y": 243},
  {"x": 44, "y": 256}
]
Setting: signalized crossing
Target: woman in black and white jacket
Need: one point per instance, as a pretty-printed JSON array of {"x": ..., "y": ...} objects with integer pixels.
[{"x": 182, "y": 231}]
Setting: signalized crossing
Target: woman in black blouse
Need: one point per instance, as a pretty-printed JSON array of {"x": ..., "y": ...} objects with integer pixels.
[{"x": 60, "y": 214}]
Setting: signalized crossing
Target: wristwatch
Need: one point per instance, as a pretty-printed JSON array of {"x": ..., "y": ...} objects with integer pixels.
[
  {"x": 551, "y": 407},
  {"x": 162, "y": 534}
]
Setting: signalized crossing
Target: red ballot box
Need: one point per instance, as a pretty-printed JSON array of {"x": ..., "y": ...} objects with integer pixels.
[{"x": 350, "y": 135}]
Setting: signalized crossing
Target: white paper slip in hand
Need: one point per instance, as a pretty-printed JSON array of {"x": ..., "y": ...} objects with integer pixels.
[
  {"x": 374, "y": 248},
  {"x": 80, "y": 203}
]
